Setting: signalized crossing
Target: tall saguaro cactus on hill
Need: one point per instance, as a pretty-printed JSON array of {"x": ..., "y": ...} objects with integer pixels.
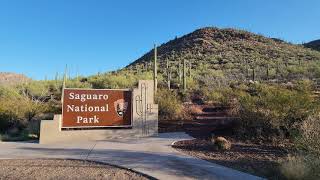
[
  {"x": 64, "y": 82},
  {"x": 65, "y": 77},
  {"x": 267, "y": 73},
  {"x": 56, "y": 77},
  {"x": 184, "y": 75},
  {"x": 190, "y": 67},
  {"x": 180, "y": 72},
  {"x": 253, "y": 74},
  {"x": 155, "y": 75},
  {"x": 168, "y": 72},
  {"x": 247, "y": 69}
]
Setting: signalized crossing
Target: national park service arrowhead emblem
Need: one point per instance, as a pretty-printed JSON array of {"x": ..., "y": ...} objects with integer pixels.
[{"x": 120, "y": 107}]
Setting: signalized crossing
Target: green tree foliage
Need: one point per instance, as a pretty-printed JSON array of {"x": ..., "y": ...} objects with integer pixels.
[{"x": 16, "y": 109}]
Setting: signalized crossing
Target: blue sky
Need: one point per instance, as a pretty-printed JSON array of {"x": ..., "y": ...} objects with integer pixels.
[{"x": 39, "y": 37}]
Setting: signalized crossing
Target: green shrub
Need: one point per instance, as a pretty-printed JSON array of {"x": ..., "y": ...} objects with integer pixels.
[
  {"x": 309, "y": 139},
  {"x": 5, "y": 121},
  {"x": 33, "y": 128},
  {"x": 74, "y": 83},
  {"x": 274, "y": 111},
  {"x": 223, "y": 95},
  {"x": 306, "y": 163},
  {"x": 22, "y": 135},
  {"x": 301, "y": 167},
  {"x": 118, "y": 80},
  {"x": 184, "y": 96},
  {"x": 170, "y": 107},
  {"x": 17, "y": 110},
  {"x": 11, "y": 109}
]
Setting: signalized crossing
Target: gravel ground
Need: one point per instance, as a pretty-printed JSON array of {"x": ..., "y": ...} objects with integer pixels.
[
  {"x": 261, "y": 160},
  {"x": 44, "y": 169}
]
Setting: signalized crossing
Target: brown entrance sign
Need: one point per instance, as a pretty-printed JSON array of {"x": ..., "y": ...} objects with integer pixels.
[{"x": 96, "y": 108}]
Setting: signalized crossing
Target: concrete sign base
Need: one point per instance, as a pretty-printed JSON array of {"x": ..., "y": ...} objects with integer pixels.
[{"x": 144, "y": 121}]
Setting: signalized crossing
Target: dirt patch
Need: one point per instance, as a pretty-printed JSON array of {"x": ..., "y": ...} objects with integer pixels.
[
  {"x": 63, "y": 169},
  {"x": 260, "y": 160}
]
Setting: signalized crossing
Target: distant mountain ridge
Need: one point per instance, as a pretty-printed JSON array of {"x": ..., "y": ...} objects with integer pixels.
[
  {"x": 313, "y": 45},
  {"x": 8, "y": 78}
]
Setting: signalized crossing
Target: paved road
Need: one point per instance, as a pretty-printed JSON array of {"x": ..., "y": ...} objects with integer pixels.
[{"x": 152, "y": 156}]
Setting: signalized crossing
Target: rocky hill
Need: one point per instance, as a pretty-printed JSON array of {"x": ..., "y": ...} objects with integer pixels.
[
  {"x": 7, "y": 78},
  {"x": 236, "y": 53},
  {"x": 313, "y": 45}
]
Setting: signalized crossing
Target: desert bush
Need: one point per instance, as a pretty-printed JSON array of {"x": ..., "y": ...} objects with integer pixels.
[
  {"x": 33, "y": 128},
  {"x": 221, "y": 143},
  {"x": 184, "y": 96},
  {"x": 22, "y": 135},
  {"x": 170, "y": 107},
  {"x": 274, "y": 111},
  {"x": 35, "y": 88},
  {"x": 191, "y": 83},
  {"x": 16, "y": 109},
  {"x": 301, "y": 167},
  {"x": 294, "y": 168},
  {"x": 10, "y": 113},
  {"x": 223, "y": 95},
  {"x": 5, "y": 121},
  {"x": 74, "y": 83},
  {"x": 211, "y": 79},
  {"x": 309, "y": 139},
  {"x": 118, "y": 80}
]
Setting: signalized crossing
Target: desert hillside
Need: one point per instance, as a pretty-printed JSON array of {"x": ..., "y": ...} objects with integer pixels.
[
  {"x": 313, "y": 45},
  {"x": 236, "y": 53}
]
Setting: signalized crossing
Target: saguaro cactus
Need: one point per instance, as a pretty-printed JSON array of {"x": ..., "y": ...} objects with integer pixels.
[
  {"x": 180, "y": 72},
  {"x": 65, "y": 78},
  {"x": 145, "y": 66},
  {"x": 170, "y": 77},
  {"x": 253, "y": 74},
  {"x": 77, "y": 73},
  {"x": 254, "y": 70},
  {"x": 184, "y": 75},
  {"x": 155, "y": 75},
  {"x": 64, "y": 83},
  {"x": 247, "y": 69},
  {"x": 267, "y": 71},
  {"x": 56, "y": 77},
  {"x": 190, "y": 67},
  {"x": 168, "y": 71}
]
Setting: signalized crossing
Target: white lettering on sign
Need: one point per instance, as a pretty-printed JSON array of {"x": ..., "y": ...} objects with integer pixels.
[
  {"x": 86, "y": 108},
  {"x": 85, "y": 97},
  {"x": 86, "y": 120}
]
